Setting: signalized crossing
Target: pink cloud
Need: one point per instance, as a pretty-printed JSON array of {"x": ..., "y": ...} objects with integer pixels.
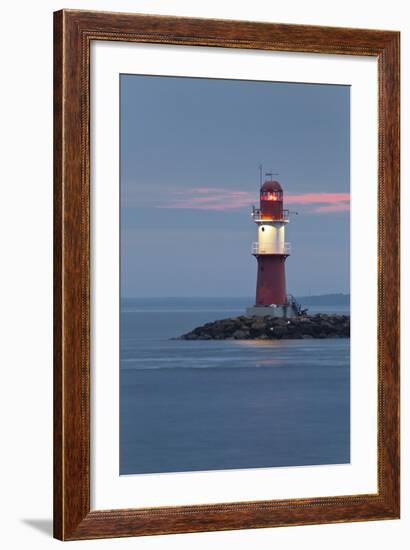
[
  {"x": 210, "y": 198},
  {"x": 322, "y": 202},
  {"x": 317, "y": 198},
  {"x": 341, "y": 207},
  {"x": 219, "y": 199}
]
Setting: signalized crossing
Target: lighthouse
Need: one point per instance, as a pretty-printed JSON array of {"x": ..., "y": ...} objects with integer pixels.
[{"x": 271, "y": 252}]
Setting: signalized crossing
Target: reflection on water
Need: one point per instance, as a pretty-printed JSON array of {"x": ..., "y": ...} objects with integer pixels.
[{"x": 204, "y": 405}]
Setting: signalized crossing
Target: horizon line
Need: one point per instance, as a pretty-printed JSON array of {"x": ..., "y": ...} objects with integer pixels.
[{"x": 230, "y": 297}]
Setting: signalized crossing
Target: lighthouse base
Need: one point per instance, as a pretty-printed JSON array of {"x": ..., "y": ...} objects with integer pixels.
[{"x": 286, "y": 311}]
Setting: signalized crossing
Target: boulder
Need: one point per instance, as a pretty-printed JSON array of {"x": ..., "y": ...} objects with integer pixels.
[
  {"x": 263, "y": 328},
  {"x": 240, "y": 334}
]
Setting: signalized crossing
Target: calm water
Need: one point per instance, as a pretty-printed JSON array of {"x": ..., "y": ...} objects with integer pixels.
[{"x": 205, "y": 405}]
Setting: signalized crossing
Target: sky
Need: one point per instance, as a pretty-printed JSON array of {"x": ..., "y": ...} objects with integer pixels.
[{"x": 189, "y": 155}]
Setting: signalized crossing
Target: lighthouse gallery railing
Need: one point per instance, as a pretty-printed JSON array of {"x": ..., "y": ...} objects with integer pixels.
[
  {"x": 264, "y": 249},
  {"x": 257, "y": 216}
]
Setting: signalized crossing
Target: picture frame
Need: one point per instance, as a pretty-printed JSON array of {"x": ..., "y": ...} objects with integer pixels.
[{"x": 74, "y": 32}]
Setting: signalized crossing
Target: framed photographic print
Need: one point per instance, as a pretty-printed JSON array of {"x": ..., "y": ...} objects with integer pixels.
[{"x": 226, "y": 335}]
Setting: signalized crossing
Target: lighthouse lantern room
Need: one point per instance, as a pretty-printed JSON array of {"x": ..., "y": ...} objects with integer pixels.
[{"x": 271, "y": 251}]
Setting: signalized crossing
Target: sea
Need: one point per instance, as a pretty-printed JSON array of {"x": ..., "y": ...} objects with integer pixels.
[{"x": 217, "y": 405}]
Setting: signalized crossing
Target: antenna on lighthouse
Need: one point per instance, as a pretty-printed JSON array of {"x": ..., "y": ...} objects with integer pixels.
[
  {"x": 270, "y": 174},
  {"x": 260, "y": 174}
]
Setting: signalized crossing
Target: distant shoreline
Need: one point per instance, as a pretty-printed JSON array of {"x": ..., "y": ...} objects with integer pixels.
[{"x": 325, "y": 300}]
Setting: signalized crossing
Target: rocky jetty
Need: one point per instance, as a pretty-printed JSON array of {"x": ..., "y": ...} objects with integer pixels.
[{"x": 273, "y": 328}]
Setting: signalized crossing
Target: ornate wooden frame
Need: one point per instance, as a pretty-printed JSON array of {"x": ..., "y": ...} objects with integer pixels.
[{"x": 73, "y": 33}]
